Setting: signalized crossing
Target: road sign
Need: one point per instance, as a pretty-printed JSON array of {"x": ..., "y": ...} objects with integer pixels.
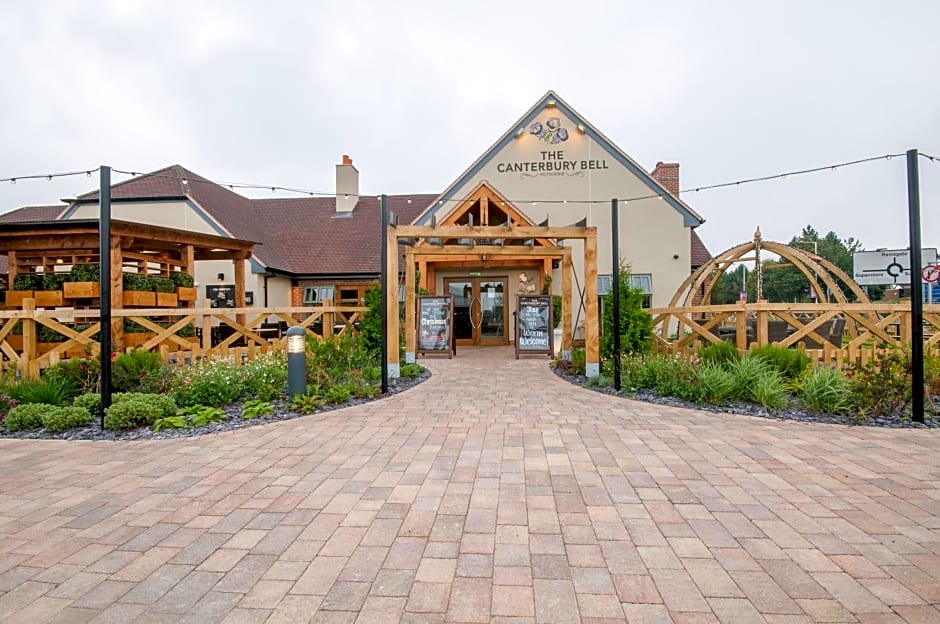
[
  {"x": 931, "y": 273},
  {"x": 887, "y": 266}
]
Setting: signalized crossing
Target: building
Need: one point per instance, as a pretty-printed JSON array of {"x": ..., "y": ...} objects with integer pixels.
[{"x": 551, "y": 166}]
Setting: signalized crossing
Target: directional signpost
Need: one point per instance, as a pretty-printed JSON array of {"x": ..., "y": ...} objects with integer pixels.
[{"x": 887, "y": 266}]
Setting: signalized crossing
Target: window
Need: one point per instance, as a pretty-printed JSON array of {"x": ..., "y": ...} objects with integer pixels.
[
  {"x": 315, "y": 295},
  {"x": 349, "y": 296},
  {"x": 641, "y": 281}
]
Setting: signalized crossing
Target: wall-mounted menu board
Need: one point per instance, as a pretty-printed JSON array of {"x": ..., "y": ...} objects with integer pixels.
[
  {"x": 435, "y": 324},
  {"x": 534, "y": 325}
]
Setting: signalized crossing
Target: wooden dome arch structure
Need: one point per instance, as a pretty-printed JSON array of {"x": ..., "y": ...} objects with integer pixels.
[{"x": 814, "y": 268}]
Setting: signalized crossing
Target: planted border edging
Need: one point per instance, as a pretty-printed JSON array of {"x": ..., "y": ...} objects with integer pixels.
[
  {"x": 792, "y": 413},
  {"x": 232, "y": 421}
]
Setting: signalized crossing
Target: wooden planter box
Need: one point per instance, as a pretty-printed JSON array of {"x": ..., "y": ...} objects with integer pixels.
[
  {"x": 49, "y": 298},
  {"x": 184, "y": 293},
  {"x": 43, "y": 348},
  {"x": 15, "y": 297},
  {"x": 16, "y": 342},
  {"x": 81, "y": 290},
  {"x": 166, "y": 300},
  {"x": 140, "y": 298}
]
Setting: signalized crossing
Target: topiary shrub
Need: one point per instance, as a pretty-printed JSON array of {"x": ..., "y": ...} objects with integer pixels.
[
  {"x": 64, "y": 418},
  {"x": 131, "y": 410},
  {"x": 183, "y": 280},
  {"x": 27, "y": 281},
  {"x": 27, "y": 416},
  {"x": 635, "y": 324},
  {"x": 90, "y": 401}
]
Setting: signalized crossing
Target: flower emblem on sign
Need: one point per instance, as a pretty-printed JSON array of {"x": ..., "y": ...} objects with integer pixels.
[{"x": 550, "y": 132}]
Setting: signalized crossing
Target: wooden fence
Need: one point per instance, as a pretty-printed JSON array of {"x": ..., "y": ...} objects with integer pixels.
[
  {"x": 242, "y": 333},
  {"x": 834, "y": 334}
]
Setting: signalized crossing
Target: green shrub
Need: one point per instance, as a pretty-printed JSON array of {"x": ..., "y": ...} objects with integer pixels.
[
  {"x": 82, "y": 373},
  {"x": 883, "y": 385},
  {"x": 307, "y": 403},
  {"x": 410, "y": 371},
  {"x": 137, "y": 281},
  {"x": 556, "y": 310},
  {"x": 141, "y": 371},
  {"x": 577, "y": 364},
  {"x": 48, "y": 390},
  {"x": 601, "y": 381},
  {"x": 720, "y": 353},
  {"x": 770, "y": 390},
  {"x": 254, "y": 408},
  {"x": 370, "y": 329},
  {"x": 746, "y": 372},
  {"x": 339, "y": 393},
  {"x": 635, "y": 324},
  {"x": 337, "y": 360},
  {"x": 715, "y": 383},
  {"x": 791, "y": 363},
  {"x": 27, "y": 416},
  {"x": 64, "y": 418},
  {"x": 53, "y": 281},
  {"x": 90, "y": 401},
  {"x": 201, "y": 415},
  {"x": 215, "y": 382},
  {"x": 85, "y": 273},
  {"x": 825, "y": 390},
  {"x": 27, "y": 281},
  {"x": 265, "y": 377},
  {"x": 131, "y": 410},
  {"x": 183, "y": 280},
  {"x": 163, "y": 284}
]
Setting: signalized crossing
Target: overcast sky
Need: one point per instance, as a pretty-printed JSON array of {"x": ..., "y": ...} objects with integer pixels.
[{"x": 276, "y": 92}]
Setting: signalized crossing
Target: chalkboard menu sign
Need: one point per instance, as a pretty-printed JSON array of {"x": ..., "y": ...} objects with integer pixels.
[
  {"x": 435, "y": 324},
  {"x": 534, "y": 325},
  {"x": 221, "y": 296}
]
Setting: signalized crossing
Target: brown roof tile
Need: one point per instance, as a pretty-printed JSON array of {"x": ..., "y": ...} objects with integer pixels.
[
  {"x": 698, "y": 253},
  {"x": 32, "y": 213}
]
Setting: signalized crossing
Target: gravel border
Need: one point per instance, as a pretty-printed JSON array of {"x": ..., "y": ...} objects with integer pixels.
[
  {"x": 790, "y": 413},
  {"x": 233, "y": 420}
]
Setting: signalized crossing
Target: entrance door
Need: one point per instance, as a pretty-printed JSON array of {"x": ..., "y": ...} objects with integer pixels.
[{"x": 480, "y": 311}]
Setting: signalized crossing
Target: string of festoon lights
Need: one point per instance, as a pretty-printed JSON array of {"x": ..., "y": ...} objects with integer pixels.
[
  {"x": 929, "y": 157},
  {"x": 186, "y": 181}
]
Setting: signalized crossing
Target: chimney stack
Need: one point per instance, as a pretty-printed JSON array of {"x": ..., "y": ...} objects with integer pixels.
[
  {"x": 347, "y": 186},
  {"x": 667, "y": 174}
]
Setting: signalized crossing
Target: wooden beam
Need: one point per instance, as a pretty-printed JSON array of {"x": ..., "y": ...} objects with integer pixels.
[
  {"x": 391, "y": 312},
  {"x": 567, "y": 334},
  {"x": 11, "y": 269},
  {"x": 591, "y": 321},
  {"x": 546, "y": 274},
  {"x": 117, "y": 296},
  {"x": 499, "y": 262},
  {"x": 484, "y": 210},
  {"x": 429, "y": 253},
  {"x": 520, "y": 232},
  {"x": 239, "y": 288},
  {"x": 189, "y": 260},
  {"x": 432, "y": 278},
  {"x": 423, "y": 273},
  {"x": 410, "y": 330}
]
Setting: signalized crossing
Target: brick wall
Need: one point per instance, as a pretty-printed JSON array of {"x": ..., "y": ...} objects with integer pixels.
[{"x": 667, "y": 174}]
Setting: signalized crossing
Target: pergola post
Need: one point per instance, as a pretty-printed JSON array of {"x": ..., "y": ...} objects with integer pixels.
[
  {"x": 591, "y": 321},
  {"x": 391, "y": 311},
  {"x": 567, "y": 268},
  {"x": 423, "y": 276},
  {"x": 239, "y": 265},
  {"x": 117, "y": 293},
  {"x": 410, "y": 330}
]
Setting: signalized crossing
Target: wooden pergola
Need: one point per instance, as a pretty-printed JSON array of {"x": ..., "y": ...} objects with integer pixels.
[
  {"x": 42, "y": 247},
  {"x": 463, "y": 253}
]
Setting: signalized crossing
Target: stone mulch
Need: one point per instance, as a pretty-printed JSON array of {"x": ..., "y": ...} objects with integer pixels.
[
  {"x": 793, "y": 412},
  {"x": 233, "y": 420}
]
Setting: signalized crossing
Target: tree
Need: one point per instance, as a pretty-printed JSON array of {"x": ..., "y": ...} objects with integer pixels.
[
  {"x": 635, "y": 324},
  {"x": 370, "y": 328}
]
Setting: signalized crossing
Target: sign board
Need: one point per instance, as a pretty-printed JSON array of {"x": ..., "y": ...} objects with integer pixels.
[
  {"x": 887, "y": 266},
  {"x": 435, "y": 324},
  {"x": 221, "y": 296},
  {"x": 534, "y": 325}
]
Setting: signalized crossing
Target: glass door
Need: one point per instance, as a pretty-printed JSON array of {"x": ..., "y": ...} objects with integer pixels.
[{"x": 480, "y": 312}]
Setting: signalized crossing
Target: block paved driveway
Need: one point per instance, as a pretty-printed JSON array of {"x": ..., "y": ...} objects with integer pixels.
[{"x": 493, "y": 492}]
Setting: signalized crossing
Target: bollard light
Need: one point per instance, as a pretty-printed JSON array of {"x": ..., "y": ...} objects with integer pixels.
[{"x": 296, "y": 361}]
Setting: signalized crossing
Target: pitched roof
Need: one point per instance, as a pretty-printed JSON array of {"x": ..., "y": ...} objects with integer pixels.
[
  {"x": 32, "y": 213},
  {"x": 699, "y": 254},
  {"x": 313, "y": 239}
]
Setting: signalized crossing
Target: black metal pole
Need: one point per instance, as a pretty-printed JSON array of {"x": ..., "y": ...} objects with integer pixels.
[
  {"x": 615, "y": 239},
  {"x": 383, "y": 210},
  {"x": 104, "y": 272},
  {"x": 917, "y": 290}
]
